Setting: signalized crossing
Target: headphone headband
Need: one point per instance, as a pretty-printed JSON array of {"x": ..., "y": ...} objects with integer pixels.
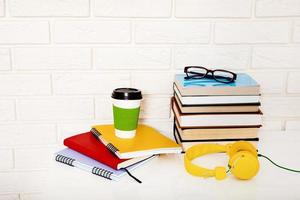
[{"x": 201, "y": 150}]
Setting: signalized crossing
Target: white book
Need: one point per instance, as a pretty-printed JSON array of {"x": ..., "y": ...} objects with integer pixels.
[
  {"x": 216, "y": 100},
  {"x": 216, "y": 119}
]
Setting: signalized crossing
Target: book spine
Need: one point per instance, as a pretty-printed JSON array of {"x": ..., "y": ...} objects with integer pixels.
[
  {"x": 174, "y": 130},
  {"x": 102, "y": 172}
]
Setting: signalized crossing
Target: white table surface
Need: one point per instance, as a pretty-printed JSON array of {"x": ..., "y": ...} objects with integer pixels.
[{"x": 165, "y": 177}]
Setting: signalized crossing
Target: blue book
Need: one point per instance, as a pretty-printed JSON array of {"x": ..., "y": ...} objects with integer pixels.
[
  {"x": 243, "y": 85},
  {"x": 74, "y": 159}
]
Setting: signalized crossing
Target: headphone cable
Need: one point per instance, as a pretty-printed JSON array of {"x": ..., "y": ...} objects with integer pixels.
[{"x": 285, "y": 168}]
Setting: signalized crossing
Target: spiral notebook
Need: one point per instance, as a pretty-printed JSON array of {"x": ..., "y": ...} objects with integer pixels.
[
  {"x": 75, "y": 159},
  {"x": 88, "y": 145},
  {"x": 148, "y": 141}
]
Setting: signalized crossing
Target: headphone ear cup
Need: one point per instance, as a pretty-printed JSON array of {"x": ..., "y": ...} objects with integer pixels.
[
  {"x": 244, "y": 165},
  {"x": 241, "y": 146}
]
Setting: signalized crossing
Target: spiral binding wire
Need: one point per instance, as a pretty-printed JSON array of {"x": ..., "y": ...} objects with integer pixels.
[
  {"x": 111, "y": 148},
  {"x": 65, "y": 160},
  {"x": 95, "y": 132},
  {"x": 102, "y": 172}
]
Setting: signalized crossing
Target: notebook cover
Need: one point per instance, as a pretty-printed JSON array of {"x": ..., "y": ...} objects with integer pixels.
[
  {"x": 243, "y": 85},
  {"x": 242, "y": 80},
  {"x": 88, "y": 161},
  {"x": 147, "y": 141},
  {"x": 87, "y": 144},
  {"x": 69, "y": 157}
]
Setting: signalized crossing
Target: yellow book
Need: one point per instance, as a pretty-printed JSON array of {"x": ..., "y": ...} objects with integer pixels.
[{"x": 147, "y": 141}]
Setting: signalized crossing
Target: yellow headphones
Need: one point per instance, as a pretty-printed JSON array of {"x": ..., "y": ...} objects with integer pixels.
[{"x": 243, "y": 160}]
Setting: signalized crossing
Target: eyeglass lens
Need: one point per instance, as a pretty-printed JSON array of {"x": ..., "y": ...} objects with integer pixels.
[
  {"x": 223, "y": 76},
  {"x": 195, "y": 72}
]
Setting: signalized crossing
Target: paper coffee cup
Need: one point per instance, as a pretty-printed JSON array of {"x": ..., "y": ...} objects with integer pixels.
[{"x": 126, "y": 108}]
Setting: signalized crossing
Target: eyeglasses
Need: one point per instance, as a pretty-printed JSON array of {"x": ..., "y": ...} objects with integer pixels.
[{"x": 220, "y": 75}]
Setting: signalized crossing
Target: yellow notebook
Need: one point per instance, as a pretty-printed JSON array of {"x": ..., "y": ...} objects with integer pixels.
[{"x": 147, "y": 141}]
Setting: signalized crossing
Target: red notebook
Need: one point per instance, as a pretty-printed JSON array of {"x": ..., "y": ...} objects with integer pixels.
[{"x": 88, "y": 145}]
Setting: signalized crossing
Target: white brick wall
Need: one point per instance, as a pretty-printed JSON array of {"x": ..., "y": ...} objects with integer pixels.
[
  {"x": 7, "y": 159},
  {"x": 156, "y": 83},
  {"x": 31, "y": 196},
  {"x": 21, "y": 134},
  {"x": 22, "y": 8},
  {"x": 9, "y": 197},
  {"x": 266, "y": 8},
  {"x": 33, "y": 158},
  {"x": 7, "y": 110},
  {"x": 272, "y": 83},
  {"x": 4, "y": 59},
  {"x": 292, "y": 125},
  {"x": 251, "y": 32},
  {"x": 293, "y": 82},
  {"x": 132, "y": 58},
  {"x": 103, "y": 108},
  {"x": 52, "y": 58},
  {"x": 213, "y": 8},
  {"x": 232, "y": 57},
  {"x": 1, "y": 8},
  {"x": 22, "y": 182},
  {"x": 67, "y": 129},
  {"x": 178, "y": 32},
  {"x": 155, "y": 107},
  {"x": 132, "y": 8},
  {"x": 24, "y": 32},
  {"x": 55, "y": 108},
  {"x": 276, "y": 57},
  {"x": 281, "y": 106},
  {"x": 296, "y": 33},
  {"x": 88, "y": 83},
  {"x": 60, "y": 60},
  {"x": 24, "y": 84},
  {"x": 92, "y": 31}
]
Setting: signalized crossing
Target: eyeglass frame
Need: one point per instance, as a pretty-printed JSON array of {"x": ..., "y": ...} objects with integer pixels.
[{"x": 212, "y": 76}]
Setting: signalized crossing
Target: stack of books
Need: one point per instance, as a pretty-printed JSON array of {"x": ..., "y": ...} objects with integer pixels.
[
  {"x": 101, "y": 153},
  {"x": 209, "y": 111}
]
